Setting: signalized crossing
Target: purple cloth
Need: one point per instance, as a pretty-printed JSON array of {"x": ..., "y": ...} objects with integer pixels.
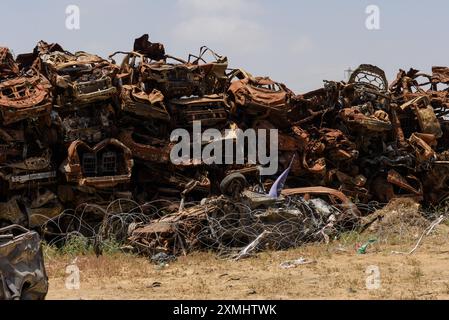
[{"x": 278, "y": 185}]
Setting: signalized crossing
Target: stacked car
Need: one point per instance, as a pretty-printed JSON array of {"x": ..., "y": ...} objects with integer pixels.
[{"x": 77, "y": 129}]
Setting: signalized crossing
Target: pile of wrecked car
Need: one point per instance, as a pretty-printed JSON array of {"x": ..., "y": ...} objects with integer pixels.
[{"x": 78, "y": 130}]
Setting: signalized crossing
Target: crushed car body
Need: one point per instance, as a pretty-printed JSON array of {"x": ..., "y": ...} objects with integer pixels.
[
  {"x": 79, "y": 133},
  {"x": 22, "y": 270}
]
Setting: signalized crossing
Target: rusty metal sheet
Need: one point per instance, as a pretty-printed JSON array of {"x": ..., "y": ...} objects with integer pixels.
[
  {"x": 154, "y": 51},
  {"x": 357, "y": 120},
  {"x": 8, "y": 66},
  {"x": 440, "y": 74},
  {"x": 396, "y": 179},
  {"x": 154, "y": 150},
  {"x": 425, "y": 115},
  {"x": 317, "y": 190},
  {"x": 424, "y": 151},
  {"x": 14, "y": 211},
  {"x": 147, "y": 105}
]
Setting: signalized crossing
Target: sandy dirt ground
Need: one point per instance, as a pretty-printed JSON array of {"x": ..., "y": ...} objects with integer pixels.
[{"x": 338, "y": 272}]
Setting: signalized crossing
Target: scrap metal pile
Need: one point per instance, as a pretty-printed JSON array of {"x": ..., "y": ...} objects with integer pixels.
[{"x": 79, "y": 132}]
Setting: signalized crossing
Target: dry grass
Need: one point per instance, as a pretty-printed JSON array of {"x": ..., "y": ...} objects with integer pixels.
[{"x": 339, "y": 272}]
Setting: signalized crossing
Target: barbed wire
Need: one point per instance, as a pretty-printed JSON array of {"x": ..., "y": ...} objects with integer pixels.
[{"x": 222, "y": 224}]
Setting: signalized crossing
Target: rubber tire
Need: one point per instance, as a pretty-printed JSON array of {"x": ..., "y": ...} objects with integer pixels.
[{"x": 231, "y": 181}]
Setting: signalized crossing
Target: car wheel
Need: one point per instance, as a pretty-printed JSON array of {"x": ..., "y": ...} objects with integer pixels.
[{"x": 233, "y": 184}]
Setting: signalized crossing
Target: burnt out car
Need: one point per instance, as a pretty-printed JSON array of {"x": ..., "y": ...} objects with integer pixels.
[
  {"x": 24, "y": 93},
  {"x": 261, "y": 98},
  {"x": 211, "y": 111},
  {"x": 366, "y": 101},
  {"x": 83, "y": 91},
  {"x": 105, "y": 165},
  {"x": 26, "y": 135},
  {"x": 422, "y": 107},
  {"x": 92, "y": 123},
  {"x": 25, "y": 96},
  {"x": 26, "y": 132},
  {"x": 177, "y": 78},
  {"x": 79, "y": 79},
  {"x": 22, "y": 270},
  {"x": 172, "y": 76},
  {"x": 30, "y": 171}
]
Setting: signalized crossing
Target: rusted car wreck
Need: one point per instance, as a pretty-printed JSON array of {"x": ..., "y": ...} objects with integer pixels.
[
  {"x": 80, "y": 130},
  {"x": 22, "y": 271}
]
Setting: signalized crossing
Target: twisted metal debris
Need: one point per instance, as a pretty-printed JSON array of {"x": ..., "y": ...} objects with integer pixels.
[{"x": 84, "y": 149}]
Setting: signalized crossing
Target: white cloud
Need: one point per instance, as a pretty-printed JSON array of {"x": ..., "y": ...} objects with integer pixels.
[
  {"x": 215, "y": 6},
  {"x": 228, "y": 24},
  {"x": 300, "y": 45}
]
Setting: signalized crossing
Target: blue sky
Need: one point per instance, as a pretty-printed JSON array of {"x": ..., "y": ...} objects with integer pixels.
[{"x": 296, "y": 42}]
